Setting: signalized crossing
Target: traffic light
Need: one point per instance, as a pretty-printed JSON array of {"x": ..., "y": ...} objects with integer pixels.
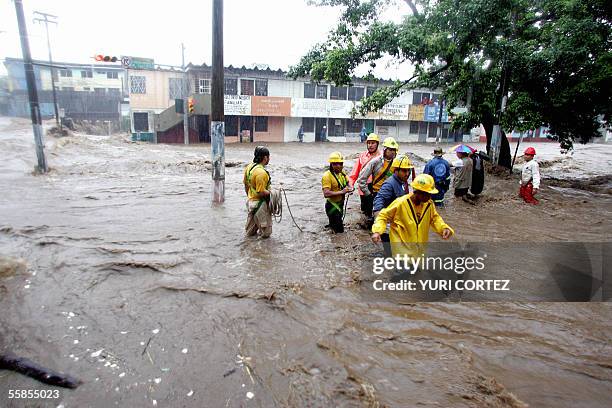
[
  {"x": 191, "y": 105},
  {"x": 105, "y": 58}
]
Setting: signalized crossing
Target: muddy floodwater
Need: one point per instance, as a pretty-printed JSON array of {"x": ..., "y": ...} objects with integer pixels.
[{"x": 115, "y": 268}]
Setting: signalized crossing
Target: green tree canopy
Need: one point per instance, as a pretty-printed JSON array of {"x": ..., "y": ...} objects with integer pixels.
[{"x": 549, "y": 61}]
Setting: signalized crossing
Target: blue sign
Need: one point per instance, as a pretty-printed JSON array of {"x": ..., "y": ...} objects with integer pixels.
[{"x": 432, "y": 113}]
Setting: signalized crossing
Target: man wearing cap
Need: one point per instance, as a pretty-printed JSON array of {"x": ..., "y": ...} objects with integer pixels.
[
  {"x": 439, "y": 169},
  {"x": 257, "y": 182},
  {"x": 530, "y": 177},
  {"x": 335, "y": 186},
  {"x": 364, "y": 158},
  {"x": 396, "y": 185},
  {"x": 410, "y": 218},
  {"x": 378, "y": 170}
]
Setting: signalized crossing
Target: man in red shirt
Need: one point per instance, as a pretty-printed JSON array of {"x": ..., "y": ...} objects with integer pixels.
[{"x": 372, "y": 143}]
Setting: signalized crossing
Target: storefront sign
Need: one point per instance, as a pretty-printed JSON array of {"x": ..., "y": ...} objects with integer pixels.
[
  {"x": 237, "y": 105},
  {"x": 270, "y": 106}
]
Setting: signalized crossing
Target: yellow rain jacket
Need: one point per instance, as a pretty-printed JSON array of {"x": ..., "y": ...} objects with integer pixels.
[{"x": 410, "y": 225}]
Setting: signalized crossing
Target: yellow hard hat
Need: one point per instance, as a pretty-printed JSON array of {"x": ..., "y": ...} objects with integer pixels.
[
  {"x": 402, "y": 162},
  {"x": 390, "y": 143},
  {"x": 424, "y": 182},
  {"x": 336, "y": 157},
  {"x": 374, "y": 137}
]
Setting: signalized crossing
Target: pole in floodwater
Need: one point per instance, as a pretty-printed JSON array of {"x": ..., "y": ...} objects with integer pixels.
[
  {"x": 184, "y": 95},
  {"x": 32, "y": 93},
  {"x": 217, "y": 124},
  {"x": 48, "y": 18}
]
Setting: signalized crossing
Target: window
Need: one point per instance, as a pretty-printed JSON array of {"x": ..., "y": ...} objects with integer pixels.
[
  {"x": 231, "y": 88},
  {"x": 100, "y": 90},
  {"x": 336, "y": 127},
  {"x": 86, "y": 88},
  {"x": 390, "y": 123},
  {"x": 177, "y": 88},
  {"x": 355, "y": 93},
  {"x": 261, "y": 87},
  {"x": 435, "y": 97},
  {"x": 422, "y": 128},
  {"x": 416, "y": 98},
  {"x": 141, "y": 122},
  {"x": 433, "y": 129},
  {"x": 354, "y": 126},
  {"x": 247, "y": 87},
  {"x": 86, "y": 74},
  {"x": 66, "y": 73},
  {"x": 112, "y": 75},
  {"x": 321, "y": 91},
  {"x": 138, "y": 85},
  {"x": 370, "y": 90},
  {"x": 338, "y": 92},
  {"x": 261, "y": 123},
  {"x": 414, "y": 127},
  {"x": 68, "y": 88},
  {"x": 422, "y": 98},
  {"x": 308, "y": 124},
  {"x": 309, "y": 90},
  {"x": 54, "y": 74},
  {"x": 231, "y": 125},
  {"x": 203, "y": 86}
]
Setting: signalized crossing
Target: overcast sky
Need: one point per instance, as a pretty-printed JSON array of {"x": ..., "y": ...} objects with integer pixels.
[{"x": 271, "y": 32}]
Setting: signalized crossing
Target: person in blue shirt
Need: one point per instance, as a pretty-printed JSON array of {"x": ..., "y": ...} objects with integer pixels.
[
  {"x": 396, "y": 185},
  {"x": 439, "y": 169},
  {"x": 363, "y": 135}
]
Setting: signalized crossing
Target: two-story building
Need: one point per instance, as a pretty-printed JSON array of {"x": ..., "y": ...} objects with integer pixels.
[
  {"x": 266, "y": 105},
  {"x": 84, "y": 91}
]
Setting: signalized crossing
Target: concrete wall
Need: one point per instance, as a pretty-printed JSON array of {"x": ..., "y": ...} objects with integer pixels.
[
  {"x": 287, "y": 88},
  {"x": 275, "y": 133},
  {"x": 98, "y": 79},
  {"x": 404, "y": 132},
  {"x": 158, "y": 92},
  {"x": 292, "y": 125}
]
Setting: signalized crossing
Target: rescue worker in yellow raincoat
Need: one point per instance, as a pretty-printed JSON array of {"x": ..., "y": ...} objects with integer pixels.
[
  {"x": 257, "y": 182},
  {"x": 410, "y": 217},
  {"x": 335, "y": 186}
]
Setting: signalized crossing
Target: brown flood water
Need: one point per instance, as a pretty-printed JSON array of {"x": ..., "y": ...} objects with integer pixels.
[{"x": 115, "y": 269}]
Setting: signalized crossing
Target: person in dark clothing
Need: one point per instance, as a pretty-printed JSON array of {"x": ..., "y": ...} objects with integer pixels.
[
  {"x": 439, "y": 169},
  {"x": 478, "y": 174}
]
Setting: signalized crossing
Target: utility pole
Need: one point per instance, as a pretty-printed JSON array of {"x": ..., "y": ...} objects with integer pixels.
[
  {"x": 217, "y": 125},
  {"x": 45, "y": 19},
  {"x": 31, "y": 83},
  {"x": 185, "y": 92},
  {"x": 439, "y": 132}
]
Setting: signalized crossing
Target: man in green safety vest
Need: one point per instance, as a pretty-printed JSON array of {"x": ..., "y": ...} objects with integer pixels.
[
  {"x": 257, "y": 182},
  {"x": 335, "y": 187}
]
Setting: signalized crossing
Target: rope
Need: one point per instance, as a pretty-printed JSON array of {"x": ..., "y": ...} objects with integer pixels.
[{"x": 276, "y": 206}]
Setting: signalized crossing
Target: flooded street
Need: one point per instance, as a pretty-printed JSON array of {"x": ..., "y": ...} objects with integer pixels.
[{"x": 115, "y": 268}]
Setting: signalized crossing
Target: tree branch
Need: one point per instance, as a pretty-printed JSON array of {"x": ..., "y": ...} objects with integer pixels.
[{"x": 410, "y": 4}]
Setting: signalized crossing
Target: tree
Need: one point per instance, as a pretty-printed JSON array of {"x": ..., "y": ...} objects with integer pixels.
[{"x": 518, "y": 63}]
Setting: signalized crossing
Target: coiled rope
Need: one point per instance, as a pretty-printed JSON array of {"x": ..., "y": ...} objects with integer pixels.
[{"x": 276, "y": 206}]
